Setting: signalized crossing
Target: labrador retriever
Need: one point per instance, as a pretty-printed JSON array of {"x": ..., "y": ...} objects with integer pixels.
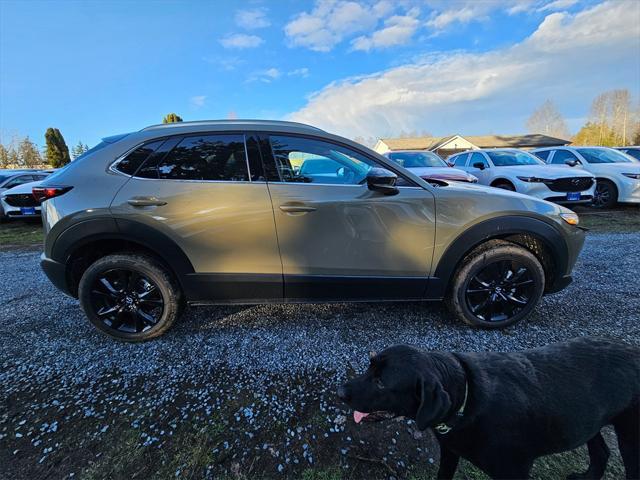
[{"x": 501, "y": 411}]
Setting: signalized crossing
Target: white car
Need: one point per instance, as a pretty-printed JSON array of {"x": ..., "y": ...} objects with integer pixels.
[
  {"x": 617, "y": 174},
  {"x": 19, "y": 202},
  {"x": 429, "y": 166},
  {"x": 522, "y": 172}
]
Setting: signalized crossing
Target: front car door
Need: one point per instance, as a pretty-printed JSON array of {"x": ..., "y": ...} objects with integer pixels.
[
  {"x": 337, "y": 238},
  {"x": 483, "y": 174},
  {"x": 199, "y": 191}
]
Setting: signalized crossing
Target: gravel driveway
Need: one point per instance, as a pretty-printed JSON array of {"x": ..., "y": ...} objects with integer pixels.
[{"x": 261, "y": 377}]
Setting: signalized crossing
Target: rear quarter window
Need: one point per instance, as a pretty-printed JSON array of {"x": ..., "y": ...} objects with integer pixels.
[{"x": 130, "y": 164}]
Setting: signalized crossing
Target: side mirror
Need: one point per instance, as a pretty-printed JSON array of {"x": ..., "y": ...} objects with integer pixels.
[
  {"x": 383, "y": 181},
  {"x": 479, "y": 165},
  {"x": 572, "y": 163}
]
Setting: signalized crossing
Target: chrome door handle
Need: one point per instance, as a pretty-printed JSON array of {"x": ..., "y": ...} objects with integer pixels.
[
  {"x": 145, "y": 202},
  {"x": 296, "y": 208}
]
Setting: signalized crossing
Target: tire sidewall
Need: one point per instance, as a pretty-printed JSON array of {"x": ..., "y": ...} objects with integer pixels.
[
  {"x": 144, "y": 266},
  {"x": 477, "y": 263},
  {"x": 613, "y": 193}
]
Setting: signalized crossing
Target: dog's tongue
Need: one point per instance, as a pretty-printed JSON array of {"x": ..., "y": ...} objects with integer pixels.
[{"x": 358, "y": 416}]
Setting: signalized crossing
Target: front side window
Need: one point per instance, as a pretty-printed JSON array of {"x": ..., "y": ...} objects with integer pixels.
[
  {"x": 477, "y": 158},
  {"x": 601, "y": 155},
  {"x": 635, "y": 153},
  {"x": 560, "y": 157},
  {"x": 513, "y": 159},
  {"x": 206, "y": 157},
  {"x": 417, "y": 159},
  {"x": 307, "y": 160},
  {"x": 459, "y": 160}
]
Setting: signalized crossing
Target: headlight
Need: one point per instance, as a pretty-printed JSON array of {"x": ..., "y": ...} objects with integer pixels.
[
  {"x": 570, "y": 217},
  {"x": 531, "y": 179},
  {"x": 635, "y": 176}
]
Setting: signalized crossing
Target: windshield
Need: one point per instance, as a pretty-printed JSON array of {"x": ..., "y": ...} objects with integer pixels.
[
  {"x": 603, "y": 155},
  {"x": 513, "y": 159},
  {"x": 417, "y": 159}
]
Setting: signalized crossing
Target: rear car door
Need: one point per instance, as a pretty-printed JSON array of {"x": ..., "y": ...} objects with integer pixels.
[
  {"x": 200, "y": 192},
  {"x": 337, "y": 238}
]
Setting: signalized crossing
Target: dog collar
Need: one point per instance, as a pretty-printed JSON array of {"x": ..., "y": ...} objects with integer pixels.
[{"x": 443, "y": 428}]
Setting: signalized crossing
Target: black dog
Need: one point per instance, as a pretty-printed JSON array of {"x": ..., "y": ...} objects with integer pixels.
[{"x": 501, "y": 411}]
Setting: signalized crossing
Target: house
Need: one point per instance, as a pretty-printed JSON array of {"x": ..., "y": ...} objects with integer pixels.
[{"x": 446, "y": 146}]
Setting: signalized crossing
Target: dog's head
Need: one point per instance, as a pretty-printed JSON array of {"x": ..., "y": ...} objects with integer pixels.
[{"x": 400, "y": 381}]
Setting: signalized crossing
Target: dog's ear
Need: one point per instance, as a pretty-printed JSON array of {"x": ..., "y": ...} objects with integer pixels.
[{"x": 434, "y": 403}]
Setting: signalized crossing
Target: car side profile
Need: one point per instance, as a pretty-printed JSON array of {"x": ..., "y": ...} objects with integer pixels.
[
  {"x": 617, "y": 173},
  {"x": 519, "y": 171},
  {"x": 221, "y": 212}
]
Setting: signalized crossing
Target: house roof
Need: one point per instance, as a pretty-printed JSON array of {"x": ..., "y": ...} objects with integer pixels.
[{"x": 482, "y": 141}]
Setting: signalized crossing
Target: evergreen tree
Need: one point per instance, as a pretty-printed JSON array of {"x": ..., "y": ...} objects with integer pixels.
[
  {"x": 171, "y": 118},
  {"x": 78, "y": 150},
  {"x": 57, "y": 150}
]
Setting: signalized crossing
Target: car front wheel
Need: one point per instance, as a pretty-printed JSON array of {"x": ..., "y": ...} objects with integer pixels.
[
  {"x": 605, "y": 195},
  {"x": 129, "y": 296},
  {"x": 497, "y": 284}
]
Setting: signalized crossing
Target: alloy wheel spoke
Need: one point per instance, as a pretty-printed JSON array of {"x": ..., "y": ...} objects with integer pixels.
[
  {"x": 109, "y": 286},
  {"x": 145, "y": 317},
  {"x": 107, "y": 310}
]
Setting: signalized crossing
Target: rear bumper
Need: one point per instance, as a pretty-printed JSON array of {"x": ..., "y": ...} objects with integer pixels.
[{"x": 56, "y": 272}]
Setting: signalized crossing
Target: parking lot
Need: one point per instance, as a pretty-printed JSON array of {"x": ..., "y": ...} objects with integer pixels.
[{"x": 246, "y": 392}]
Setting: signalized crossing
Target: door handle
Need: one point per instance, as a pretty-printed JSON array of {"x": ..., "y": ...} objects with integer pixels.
[
  {"x": 145, "y": 202},
  {"x": 296, "y": 208}
]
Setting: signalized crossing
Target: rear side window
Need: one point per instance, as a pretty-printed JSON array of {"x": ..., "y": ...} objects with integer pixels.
[
  {"x": 207, "y": 157},
  {"x": 130, "y": 164},
  {"x": 544, "y": 155}
]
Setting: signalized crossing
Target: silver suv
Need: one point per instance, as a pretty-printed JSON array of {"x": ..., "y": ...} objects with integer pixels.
[{"x": 261, "y": 211}]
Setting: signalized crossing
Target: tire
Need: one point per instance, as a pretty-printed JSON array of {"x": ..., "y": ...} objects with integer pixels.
[
  {"x": 605, "y": 195},
  {"x": 130, "y": 297},
  {"x": 505, "y": 186},
  {"x": 480, "y": 279}
]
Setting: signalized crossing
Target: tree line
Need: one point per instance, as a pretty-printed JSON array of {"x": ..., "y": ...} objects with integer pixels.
[
  {"x": 24, "y": 153},
  {"x": 613, "y": 121}
]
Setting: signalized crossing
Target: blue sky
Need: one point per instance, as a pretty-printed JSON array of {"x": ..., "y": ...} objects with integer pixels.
[{"x": 374, "y": 68}]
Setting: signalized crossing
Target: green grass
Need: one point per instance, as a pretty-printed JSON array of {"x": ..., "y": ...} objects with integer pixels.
[
  {"x": 622, "y": 219},
  {"x": 322, "y": 474},
  {"x": 20, "y": 233}
]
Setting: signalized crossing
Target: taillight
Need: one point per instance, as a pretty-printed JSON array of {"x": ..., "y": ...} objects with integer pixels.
[{"x": 45, "y": 193}]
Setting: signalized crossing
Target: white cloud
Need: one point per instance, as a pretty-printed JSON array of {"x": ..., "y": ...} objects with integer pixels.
[
  {"x": 397, "y": 30},
  {"x": 557, "y": 5},
  {"x": 197, "y": 101},
  {"x": 252, "y": 18},
  {"x": 266, "y": 76},
  {"x": 569, "y": 58},
  {"x": 241, "y": 40},
  {"x": 299, "y": 72},
  {"x": 331, "y": 21}
]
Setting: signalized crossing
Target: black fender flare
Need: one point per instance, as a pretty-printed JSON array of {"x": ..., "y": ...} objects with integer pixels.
[{"x": 495, "y": 228}]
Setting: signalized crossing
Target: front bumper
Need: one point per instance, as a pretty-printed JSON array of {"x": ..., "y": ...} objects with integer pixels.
[
  {"x": 629, "y": 191},
  {"x": 56, "y": 272},
  {"x": 9, "y": 211},
  {"x": 543, "y": 192}
]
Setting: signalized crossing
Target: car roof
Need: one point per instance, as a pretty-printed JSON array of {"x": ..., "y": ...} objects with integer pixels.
[{"x": 245, "y": 124}]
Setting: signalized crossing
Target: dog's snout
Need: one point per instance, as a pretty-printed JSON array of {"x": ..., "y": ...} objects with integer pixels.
[{"x": 343, "y": 393}]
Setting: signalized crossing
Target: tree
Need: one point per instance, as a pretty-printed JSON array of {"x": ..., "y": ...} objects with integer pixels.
[
  {"x": 171, "y": 118},
  {"x": 548, "y": 120},
  {"x": 4, "y": 156},
  {"x": 57, "y": 151},
  {"x": 78, "y": 150},
  {"x": 28, "y": 154},
  {"x": 612, "y": 120}
]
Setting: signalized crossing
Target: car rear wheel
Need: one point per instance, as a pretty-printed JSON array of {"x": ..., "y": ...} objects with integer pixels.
[
  {"x": 130, "y": 297},
  {"x": 497, "y": 285},
  {"x": 605, "y": 195}
]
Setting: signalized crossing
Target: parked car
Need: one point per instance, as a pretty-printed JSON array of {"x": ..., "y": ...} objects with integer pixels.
[
  {"x": 519, "y": 171},
  {"x": 631, "y": 151},
  {"x": 214, "y": 213},
  {"x": 19, "y": 202},
  {"x": 429, "y": 166},
  {"x": 618, "y": 174},
  {"x": 13, "y": 178}
]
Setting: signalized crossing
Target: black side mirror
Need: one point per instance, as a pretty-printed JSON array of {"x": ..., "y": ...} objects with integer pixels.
[
  {"x": 383, "y": 181},
  {"x": 479, "y": 165},
  {"x": 572, "y": 163}
]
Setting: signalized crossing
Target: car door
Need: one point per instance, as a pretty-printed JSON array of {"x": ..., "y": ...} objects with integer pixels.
[
  {"x": 483, "y": 173},
  {"x": 339, "y": 239},
  {"x": 198, "y": 191}
]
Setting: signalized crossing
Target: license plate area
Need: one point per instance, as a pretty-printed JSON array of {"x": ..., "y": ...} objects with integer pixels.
[
  {"x": 28, "y": 210},
  {"x": 573, "y": 196}
]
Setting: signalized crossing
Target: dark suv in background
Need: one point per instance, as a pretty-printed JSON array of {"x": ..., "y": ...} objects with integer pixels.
[{"x": 262, "y": 211}]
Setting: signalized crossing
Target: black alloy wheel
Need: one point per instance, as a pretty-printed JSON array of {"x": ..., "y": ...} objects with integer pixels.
[{"x": 605, "y": 195}]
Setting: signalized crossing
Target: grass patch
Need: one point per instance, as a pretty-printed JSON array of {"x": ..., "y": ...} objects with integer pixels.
[
  {"x": 622, "y": 219},
  {"x": 321, "y": 474},
  {"x": 21, "y": 233}
]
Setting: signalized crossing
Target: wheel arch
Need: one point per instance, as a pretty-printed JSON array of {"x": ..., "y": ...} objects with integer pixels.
[
  {"x": 498, "y": 180},
  {"x": 84, "y": 242},
  {"x": 539, "y": 237}
]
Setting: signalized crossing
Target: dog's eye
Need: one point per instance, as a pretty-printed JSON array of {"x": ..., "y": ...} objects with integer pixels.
[{"x": 378, "y": 382}]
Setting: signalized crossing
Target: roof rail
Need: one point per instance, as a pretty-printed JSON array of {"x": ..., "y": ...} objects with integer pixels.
[{"x": 230, "y": 122}]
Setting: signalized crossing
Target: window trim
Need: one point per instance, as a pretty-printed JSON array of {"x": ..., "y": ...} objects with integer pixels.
[{"x": 113, "y": 165}]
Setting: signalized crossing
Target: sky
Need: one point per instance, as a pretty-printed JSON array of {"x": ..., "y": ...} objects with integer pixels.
[{"x": 356, "y": 68}]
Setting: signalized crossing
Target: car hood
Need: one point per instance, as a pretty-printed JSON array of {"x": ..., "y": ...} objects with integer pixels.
[
  {"x": 443, "y": 173},
  {"x": 21, "y": 189},
  {"x": 616, "y": 167},
  {"x": 544, "y": 171}
]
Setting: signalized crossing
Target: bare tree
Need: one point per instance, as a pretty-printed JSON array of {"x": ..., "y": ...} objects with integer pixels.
[{"x": 548, "y": 120}]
